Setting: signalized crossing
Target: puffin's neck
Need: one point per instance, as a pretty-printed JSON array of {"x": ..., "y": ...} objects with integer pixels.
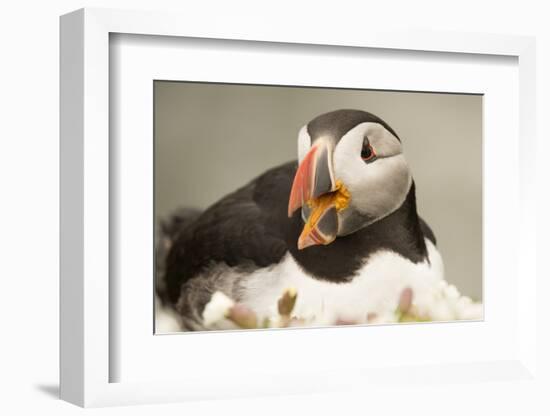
[{"x": 340, "y": 260}]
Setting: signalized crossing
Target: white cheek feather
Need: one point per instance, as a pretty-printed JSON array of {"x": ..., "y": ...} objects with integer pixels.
[
  {"x": 376, "y": 289},
  {"x": 381, "y": 187},
  {"x": 304, "y": 143},
  {"x": 377, "y": 188}
]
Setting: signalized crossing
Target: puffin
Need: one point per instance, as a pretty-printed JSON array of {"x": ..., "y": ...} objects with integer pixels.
[{"x": 333, "y": 225}]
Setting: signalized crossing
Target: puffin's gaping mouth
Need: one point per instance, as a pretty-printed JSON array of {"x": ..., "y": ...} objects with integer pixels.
[
  {"x": 320, "y": 197},
  {"x": 322, "y": 220}
]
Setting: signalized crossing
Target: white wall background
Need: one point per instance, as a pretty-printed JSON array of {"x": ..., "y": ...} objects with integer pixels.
[{"x": 29, "y": 207}]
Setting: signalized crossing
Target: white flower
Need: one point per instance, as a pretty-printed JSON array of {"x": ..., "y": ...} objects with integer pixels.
[
  {"x": 451, "y": 292},
  {"x": 469, "y": 310},
  {"x": 216, "y": 309}
]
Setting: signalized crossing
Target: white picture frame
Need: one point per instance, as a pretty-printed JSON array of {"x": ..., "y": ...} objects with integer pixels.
[{"x": 87, "y": 356}]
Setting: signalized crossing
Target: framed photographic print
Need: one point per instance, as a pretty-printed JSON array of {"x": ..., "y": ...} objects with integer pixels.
[
  {"x": 301, "y": 213},
  {"x": 241, "y": 242}
]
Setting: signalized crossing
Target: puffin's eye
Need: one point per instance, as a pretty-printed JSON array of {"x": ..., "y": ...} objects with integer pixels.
[{"x": 367, "y": 153}]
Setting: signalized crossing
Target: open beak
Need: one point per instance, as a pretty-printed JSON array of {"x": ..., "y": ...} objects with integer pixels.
[{"x": 316, "y": 192}]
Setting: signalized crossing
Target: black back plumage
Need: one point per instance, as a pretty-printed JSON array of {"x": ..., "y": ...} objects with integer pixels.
[{"x": 249, "y": 229}]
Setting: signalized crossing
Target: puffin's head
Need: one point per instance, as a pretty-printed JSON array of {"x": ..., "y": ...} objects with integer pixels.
[{"x": 352, "y": 173}]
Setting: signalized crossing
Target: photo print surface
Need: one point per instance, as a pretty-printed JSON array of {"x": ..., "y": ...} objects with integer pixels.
[{"x": 284, "y": 207}]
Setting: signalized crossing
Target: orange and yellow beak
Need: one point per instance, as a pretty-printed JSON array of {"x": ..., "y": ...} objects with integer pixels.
[{"x": 320, "y": 197}]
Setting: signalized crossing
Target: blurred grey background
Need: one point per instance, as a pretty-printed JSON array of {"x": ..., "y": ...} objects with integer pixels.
[{"x": 212, "y": 138}]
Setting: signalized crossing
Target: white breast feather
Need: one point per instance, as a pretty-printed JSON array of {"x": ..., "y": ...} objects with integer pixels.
[{"x": 375, "y": 289}]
